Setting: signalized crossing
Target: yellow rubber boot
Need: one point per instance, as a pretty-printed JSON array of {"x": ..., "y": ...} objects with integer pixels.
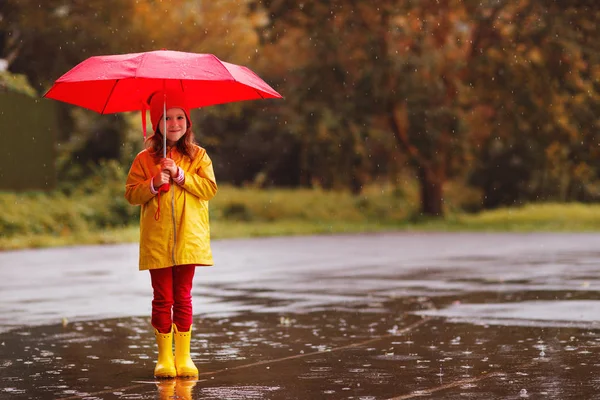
[
  {"x": 165, "y": 366},
  {"x": 183, "y": 361}
]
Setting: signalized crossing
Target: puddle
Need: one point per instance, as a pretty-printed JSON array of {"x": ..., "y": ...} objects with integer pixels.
[{"x": 570, "y": 313}]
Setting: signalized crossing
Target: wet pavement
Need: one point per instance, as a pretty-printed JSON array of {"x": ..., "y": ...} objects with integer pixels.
[{"x": 390, "y": 316}]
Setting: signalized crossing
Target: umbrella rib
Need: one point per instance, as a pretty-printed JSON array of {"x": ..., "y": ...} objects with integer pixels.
[{"x": 112, "y": 89}]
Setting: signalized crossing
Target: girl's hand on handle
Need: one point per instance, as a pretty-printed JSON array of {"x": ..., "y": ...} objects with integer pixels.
[
  {"x": 161, "y": 178},
  {"x": 167, "y": 164}
]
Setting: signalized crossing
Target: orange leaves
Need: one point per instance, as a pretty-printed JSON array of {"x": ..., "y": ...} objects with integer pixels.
[{"x": 226, "y": 28}]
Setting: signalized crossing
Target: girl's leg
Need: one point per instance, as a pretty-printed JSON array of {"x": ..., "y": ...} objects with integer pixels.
[
  {"x": 182, "y": 320},
  {"x": 183, "y": 275},
  {"x": 162, "y": 303}
]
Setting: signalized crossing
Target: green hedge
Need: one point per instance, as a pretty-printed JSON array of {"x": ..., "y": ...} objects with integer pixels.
[{"x": 98, "y": 204}]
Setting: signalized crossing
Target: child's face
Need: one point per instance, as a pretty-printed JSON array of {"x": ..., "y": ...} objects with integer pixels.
[{"x": 176, "y": 125}]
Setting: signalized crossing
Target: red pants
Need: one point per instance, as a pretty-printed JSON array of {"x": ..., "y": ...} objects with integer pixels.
[{"x": 172, "y": 302}]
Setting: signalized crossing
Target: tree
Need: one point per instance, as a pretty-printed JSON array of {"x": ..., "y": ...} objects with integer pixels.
[
  {"x": 314, "y": 47},
  {"x": 541, "y": 77},
  {"x": 43, "y": 40},
  {"x": 435, "y": 72},
  {"x": 396, "y": 67}
]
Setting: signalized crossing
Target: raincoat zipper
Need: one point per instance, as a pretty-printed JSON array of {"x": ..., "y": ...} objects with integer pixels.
[
  {"x": 174, "y": 225},
  {"x": 173, "y": 218}
]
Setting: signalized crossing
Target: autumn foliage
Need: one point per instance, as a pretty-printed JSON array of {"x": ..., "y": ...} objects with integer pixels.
[{"x": 499, "y": 94}]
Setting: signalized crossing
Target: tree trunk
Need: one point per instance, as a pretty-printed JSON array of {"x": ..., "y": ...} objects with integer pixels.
[
  {"x": 431, "y": 176},
  {"x": 431, "y": 192}
]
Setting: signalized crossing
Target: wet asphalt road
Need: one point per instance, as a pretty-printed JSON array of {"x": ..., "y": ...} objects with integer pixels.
[{"x": 392, "y": 316}]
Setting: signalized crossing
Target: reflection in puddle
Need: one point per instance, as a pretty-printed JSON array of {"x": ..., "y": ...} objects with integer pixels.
[
  {"x": 237, "y": 392},
  {"x": 179, "y": 388},
  {"x": 320, "y": 354},
  {"x": 568, "y": 313}
]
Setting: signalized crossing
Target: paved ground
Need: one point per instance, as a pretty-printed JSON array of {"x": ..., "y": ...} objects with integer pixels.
[{"x": 394, "y": 316}]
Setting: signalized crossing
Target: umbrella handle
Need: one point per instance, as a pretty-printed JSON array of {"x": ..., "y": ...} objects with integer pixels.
[
  {"x": 164, "y": 120},
  {"x": 166, "y": 186}
]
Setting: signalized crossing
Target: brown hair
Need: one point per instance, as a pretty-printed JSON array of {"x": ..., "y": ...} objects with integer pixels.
[{"x": 185, "y": 144}]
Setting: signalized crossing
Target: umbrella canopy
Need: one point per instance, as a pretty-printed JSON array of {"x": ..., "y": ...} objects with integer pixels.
[{"x": 120, "y": 83}]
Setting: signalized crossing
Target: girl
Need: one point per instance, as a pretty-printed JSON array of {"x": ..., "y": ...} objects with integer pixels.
[{"x": 174, "y": 226}]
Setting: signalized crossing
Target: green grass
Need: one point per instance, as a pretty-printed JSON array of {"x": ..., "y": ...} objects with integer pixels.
[
  {"x": 219, "y": 230},
  {"x": 34, "y": 220},
  {"x": 545, "y": 217},
  {"x": 127, "y": 234}
]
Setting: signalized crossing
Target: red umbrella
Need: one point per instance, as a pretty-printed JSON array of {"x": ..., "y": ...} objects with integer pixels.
[
  {"x": 119, "y": 83},
  {"x": 125, "y": 82}
]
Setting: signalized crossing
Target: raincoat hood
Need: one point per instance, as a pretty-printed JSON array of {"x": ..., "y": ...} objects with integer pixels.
[{"x": 174, "y": 100}]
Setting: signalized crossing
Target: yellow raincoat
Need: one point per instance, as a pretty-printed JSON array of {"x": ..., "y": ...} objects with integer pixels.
[{"x": 181, "y": 235}]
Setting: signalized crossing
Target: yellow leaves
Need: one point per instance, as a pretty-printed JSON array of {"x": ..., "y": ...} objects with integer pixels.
[
  {"x": 400, "y": 21},
  {"x": 277, "y": 56},
  {"x": 479, "y": 119},
  {"x": 583, "y": 172},
  {"x": 15, "y": 83},
  {"x": 580, "y": 99},
  {"x": 556, "y": 153},
  {"x": 323, "y": 132},
  {"x": 595, "y": 72},
  {"x": 371, "y": 15},
  {"x": 507, "y": 30},
  {"x": 259, "y": 19},
  {"x": 561, "y": 166},
  {"x": 561, "y": 115},
  {"x": 495, "y": 54},
  {"x": 535, "y": 55},
  {"x": 416, "y": 24},
  {"x": 563, "y": 121},
  {"x": 220, "y": 27}
]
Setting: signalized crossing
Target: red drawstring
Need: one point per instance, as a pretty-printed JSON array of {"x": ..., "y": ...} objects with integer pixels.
[
  {"x": 162, "y": 188},
  {"x": 157, "y": 213}
]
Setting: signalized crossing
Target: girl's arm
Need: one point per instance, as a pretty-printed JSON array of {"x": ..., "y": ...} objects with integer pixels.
[
  {"x": 138, "y": 187},
  {"x": 200, "y": 180}
]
